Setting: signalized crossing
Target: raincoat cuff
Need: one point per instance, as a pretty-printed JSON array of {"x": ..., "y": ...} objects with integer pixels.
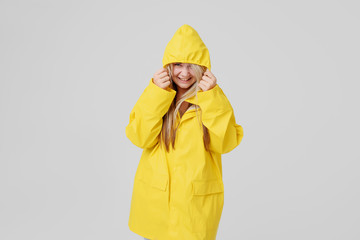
[
  {"x": 160, "y": 90},
  {"x": 155, "y": 100},
  {"x": 213, "y": 100}
]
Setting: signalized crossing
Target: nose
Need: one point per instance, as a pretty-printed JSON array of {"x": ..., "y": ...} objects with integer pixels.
[{"x": 185, "y": 71}]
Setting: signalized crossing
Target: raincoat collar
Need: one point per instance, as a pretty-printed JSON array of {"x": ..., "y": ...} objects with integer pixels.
[{"x": 189, "y": 113}]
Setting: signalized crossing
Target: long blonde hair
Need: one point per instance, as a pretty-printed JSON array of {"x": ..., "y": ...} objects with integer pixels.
[{"x": 169, "y": 128}]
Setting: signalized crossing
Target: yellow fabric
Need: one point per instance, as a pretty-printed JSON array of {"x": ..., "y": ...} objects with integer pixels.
[
  {"x": 186, "y": 46},
  {"x": 179, "y": 195}
]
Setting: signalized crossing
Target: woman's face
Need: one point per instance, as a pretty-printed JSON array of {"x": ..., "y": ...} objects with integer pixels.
[{"x": 183, "y": 75}]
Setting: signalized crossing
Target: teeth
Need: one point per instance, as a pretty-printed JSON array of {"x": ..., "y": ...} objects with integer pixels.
[{"x": 184, "y": 79}]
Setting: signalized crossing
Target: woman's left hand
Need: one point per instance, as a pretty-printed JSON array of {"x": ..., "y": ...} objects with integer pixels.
[{"x": 208, "y": 81}]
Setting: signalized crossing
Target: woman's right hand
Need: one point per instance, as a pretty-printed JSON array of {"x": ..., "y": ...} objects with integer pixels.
[{"x": 161, "y": 78}]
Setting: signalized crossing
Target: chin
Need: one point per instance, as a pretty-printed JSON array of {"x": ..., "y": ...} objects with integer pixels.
[{"x": 184, "y": 85}]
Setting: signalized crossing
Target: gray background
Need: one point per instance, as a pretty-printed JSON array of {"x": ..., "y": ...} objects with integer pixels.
[{"x": 71, "y": 71}]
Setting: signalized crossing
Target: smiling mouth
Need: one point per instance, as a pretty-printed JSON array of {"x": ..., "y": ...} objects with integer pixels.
[{"x": 184, "y": 79}]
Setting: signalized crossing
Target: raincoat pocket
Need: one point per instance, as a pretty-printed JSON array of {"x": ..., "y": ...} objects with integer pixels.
[
  {"x": 207, "y": 187},
  {"x": 206, "y": 205},
  {"x": 150, "y": 198},
  {"x": 159, "y": 182}
]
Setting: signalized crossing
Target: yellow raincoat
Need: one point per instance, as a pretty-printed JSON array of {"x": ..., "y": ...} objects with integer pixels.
[{"x": 179, "y": 195}]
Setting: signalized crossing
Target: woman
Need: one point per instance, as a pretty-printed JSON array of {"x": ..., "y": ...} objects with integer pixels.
[{"x": 183, "y": 122}]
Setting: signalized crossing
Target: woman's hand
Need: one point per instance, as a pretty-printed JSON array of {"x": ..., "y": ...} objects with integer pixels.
[
  {"x": 208, "y": 81},
  {"x": 161, "y": 78}
]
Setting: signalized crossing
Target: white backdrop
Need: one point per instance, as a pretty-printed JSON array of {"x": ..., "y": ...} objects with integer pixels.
[{"x": 71, "y": 71}]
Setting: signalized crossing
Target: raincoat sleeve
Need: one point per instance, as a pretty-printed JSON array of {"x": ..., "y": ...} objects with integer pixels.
[
  {"x": 146, "y": 117},
  {"x": 218, "y": 117}
]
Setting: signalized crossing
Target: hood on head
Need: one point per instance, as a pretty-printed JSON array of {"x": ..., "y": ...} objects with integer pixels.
[{"x": 186, "y": 46}]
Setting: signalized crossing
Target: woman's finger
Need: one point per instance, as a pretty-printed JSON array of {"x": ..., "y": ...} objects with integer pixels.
[
  {"x": 207, "y": 84},
  {"x": 161, "y": 70},
  {"x": 210, "y": 74},
  {"x": 167, "y": 78},
  {"x": 207, "y": 79},
  {"x": 163, "y": 74},
  {"x": 201, "y": 86}
]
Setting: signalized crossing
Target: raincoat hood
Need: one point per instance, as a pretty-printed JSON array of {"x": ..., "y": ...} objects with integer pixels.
[{"x": 186, "y": 46}]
